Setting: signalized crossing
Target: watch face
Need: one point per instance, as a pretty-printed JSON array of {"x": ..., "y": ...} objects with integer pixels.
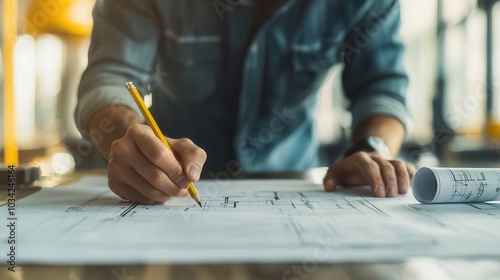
[{"x": 378, "y": 145}]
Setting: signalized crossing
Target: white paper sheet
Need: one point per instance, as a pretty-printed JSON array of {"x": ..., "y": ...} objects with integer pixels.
[
  {"x": 453, "y": 185},
  {"x": 245, "y": 221}
]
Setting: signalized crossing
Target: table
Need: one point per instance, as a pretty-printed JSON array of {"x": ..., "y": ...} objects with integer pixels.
[{"x": 417, "y": 268}]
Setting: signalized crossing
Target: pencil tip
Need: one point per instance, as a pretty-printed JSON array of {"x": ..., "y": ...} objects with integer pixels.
[{"x": 199, "y": 203}]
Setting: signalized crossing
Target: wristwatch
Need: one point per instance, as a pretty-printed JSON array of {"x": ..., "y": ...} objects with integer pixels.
[{"x": 369, "y": 144}]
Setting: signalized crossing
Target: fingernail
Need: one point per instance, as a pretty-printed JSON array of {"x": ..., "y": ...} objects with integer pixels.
[
  {"x": 195, "y": 172},
  {"x": 380, "y": 192}
]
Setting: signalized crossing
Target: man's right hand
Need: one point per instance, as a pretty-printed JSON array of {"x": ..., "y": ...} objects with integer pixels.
[{"x": 142, "y": 169}]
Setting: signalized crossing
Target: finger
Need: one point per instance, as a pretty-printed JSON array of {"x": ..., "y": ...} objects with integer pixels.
[
  {"x": 388, "y": 175},
  {"x": 361, "y": 163},
  {"x": 192, "y": 157},
  {"x": 401, "y": 175},
  {"x": 130, "y": 176},
  {"x": 127, "y": 154},
  {"x": 157, "y": 154},
  {"x": 143, "y": 173},
  {"x": 126, "y": 192},
  {"x": 329, "y": 182},
  {"x": 156, "y": 177},
  {"x": 370, "y": 170},
  {"x": 411, "y": 171}
]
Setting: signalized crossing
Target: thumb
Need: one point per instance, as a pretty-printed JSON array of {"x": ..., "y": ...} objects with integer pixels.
[{"x": 191, "y": 157}]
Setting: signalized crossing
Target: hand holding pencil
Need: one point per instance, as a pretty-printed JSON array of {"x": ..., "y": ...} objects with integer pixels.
[{"x": 147, "y": 167}]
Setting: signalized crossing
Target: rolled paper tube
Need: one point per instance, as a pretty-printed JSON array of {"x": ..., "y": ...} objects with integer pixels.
[{"x": 454, "y": 185}]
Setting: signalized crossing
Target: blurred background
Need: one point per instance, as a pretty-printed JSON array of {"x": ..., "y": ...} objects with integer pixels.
[{"x": 452, "y": 58}]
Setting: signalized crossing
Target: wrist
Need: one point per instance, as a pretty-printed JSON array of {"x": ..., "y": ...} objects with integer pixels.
[
  {"x": 370, "y": 144},
  {"x": 109, "y": 124}
]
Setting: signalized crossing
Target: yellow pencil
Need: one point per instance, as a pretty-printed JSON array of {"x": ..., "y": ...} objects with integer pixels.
[{"x": 152, "y": 123}]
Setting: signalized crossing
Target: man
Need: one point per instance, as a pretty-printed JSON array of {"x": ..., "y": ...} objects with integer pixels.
[{"x": 238, "y": 79}]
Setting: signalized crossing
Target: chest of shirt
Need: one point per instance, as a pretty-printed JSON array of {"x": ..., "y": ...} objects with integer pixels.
[{"x": 198, "y": 31}]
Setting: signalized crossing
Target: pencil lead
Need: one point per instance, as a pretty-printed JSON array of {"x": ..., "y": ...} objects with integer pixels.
[{"x": 199, "y": 203}]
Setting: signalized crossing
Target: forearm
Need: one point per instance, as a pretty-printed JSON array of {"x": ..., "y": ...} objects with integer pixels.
[
  {"x": 390, "y": 129},
  {"x": 109, "y": 124}
]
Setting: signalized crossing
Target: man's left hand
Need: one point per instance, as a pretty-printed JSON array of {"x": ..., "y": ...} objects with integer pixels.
[{"x": 386, "y": 177}]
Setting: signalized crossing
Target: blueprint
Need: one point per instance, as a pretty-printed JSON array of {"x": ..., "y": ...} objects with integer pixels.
[
  {"x": 245, "y": 221},
  {"x": 452, "y": 185}
]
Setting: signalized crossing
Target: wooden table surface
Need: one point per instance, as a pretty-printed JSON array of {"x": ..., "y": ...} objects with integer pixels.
[
  {"x": 416, "y": 268},
  {"x": 420, "y": 268}
]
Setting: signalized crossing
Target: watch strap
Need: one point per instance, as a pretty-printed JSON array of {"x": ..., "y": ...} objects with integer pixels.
[{"x": 369, "y": 144}]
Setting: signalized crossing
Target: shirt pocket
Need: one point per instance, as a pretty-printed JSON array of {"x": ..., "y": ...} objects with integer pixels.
[
  {"x": 310, "y": 63},
  {"x": 315, "y": 56},
  {"x": 194, "y": 65}
]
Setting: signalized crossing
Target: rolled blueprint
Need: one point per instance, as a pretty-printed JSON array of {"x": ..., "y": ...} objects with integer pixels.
[{"x": 452, "y": 185}]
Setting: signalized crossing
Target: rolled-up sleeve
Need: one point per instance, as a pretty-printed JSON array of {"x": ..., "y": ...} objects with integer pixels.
[
  {"x": 374, "y": 79},
  {"x": 123, "y": 47}
]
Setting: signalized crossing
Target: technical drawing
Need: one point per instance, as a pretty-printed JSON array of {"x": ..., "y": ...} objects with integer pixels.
[
  {"x": 279, "y": 221},
  {"x": 470, "y": 184}
]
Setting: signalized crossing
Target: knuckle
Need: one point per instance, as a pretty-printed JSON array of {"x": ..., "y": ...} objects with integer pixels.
[
  {"x": 201, "y": 154},
  {"x": 362, "y": 158},
  {"x": 159, "y": 155},
  {"x": 175, "y": 172},
  {"x": 137, "y": 131},
  {"x": 132, "y": 131},
  {"x": 118, "y": 147},
  {"x": 399, "y": 164},
  {"x": 155, "y": 178},
  {"x": 185, "y": 142},
  {"x": 372, "y": 165},
  {"x": 388, "y": 168},
  {"x": 361, "y": 155}
]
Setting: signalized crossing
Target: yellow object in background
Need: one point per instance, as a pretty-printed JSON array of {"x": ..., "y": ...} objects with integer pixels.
[
  {"x": 9, "y": 23},
  {"x": 71, "y": 17},
  {"x": 493, "y": 130}
]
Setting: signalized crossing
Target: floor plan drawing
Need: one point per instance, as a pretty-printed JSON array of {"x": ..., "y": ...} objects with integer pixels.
[{"x": 245, "y": 221}]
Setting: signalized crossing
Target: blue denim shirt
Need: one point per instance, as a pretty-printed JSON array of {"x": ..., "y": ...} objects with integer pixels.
[{"x": 241, "y": 90}]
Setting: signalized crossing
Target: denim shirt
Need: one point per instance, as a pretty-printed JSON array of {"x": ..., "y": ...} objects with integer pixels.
[{"x": 245, "y": 95}]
